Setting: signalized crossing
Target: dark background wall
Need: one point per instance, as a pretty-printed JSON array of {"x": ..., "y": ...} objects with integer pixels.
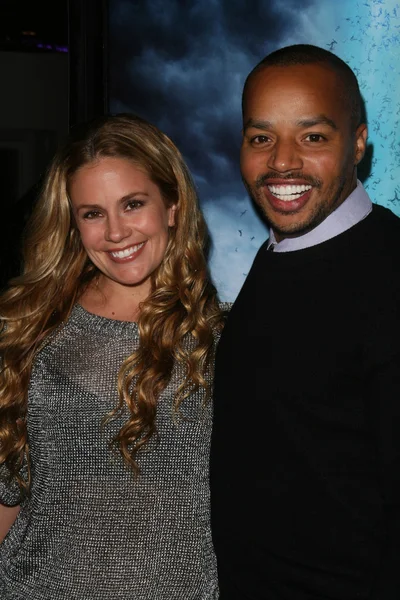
[
  {"x": 33, "y": 116},
  {"x": 34, "y": 110}
]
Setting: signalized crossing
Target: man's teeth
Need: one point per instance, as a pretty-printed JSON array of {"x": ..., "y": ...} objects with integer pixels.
[
  {"x": 127, "y": 252},
  {"x": 288, "y": 192}
]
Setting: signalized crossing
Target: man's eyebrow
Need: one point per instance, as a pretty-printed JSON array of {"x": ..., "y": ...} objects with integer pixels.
[
  {"x": 257, "y": 124},
  {"x": 318, "y": 120},
  {"x": 267, "y": 125}
]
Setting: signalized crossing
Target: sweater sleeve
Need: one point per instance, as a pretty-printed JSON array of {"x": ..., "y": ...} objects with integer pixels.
[{"x": 384, "y": 394}]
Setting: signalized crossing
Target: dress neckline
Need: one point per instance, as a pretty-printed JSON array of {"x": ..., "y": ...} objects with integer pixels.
[{"x": 90, "y": 321}]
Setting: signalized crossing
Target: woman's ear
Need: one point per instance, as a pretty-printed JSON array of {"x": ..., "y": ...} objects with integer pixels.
[{"x": 171, "y": 215}]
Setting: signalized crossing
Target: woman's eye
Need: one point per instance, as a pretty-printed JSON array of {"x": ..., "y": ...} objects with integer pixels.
[
  {"x": 133, "y": 204},
  {"x": 91, "y": 214}
]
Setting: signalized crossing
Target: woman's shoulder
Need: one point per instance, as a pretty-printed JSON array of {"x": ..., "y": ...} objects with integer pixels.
[{"x": 225, "y": 307}]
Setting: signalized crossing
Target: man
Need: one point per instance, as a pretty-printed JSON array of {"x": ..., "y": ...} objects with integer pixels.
[{"x": 305, "y": 462}]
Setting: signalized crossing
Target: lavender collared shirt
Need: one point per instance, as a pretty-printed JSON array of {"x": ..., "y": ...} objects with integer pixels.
[{"x": 353, "y": 210}]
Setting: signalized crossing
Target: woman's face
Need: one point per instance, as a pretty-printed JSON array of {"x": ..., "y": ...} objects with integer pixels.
[{"x": 123, "y": 221}]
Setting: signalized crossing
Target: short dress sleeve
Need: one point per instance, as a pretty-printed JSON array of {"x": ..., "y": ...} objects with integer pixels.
[{"x": 10, "y": 493}]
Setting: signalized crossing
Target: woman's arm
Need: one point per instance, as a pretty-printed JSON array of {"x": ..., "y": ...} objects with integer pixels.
[{"x": 8, "y": 514}]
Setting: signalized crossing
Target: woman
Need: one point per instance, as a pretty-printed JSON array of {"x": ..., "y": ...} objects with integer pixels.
[{"x": 107, "y": 345}]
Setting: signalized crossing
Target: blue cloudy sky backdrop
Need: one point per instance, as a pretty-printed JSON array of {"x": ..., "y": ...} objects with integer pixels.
[{"x": 182, "y": 65}]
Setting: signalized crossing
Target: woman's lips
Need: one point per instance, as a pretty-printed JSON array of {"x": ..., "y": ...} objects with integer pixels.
[{"x": 126, "y": 254}]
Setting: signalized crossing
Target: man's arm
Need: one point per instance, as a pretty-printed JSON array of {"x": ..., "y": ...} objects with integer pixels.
[{"x": 384, "y": 394}]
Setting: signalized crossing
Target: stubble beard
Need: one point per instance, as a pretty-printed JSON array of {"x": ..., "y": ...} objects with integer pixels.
[{"x": 317, "y": 215}]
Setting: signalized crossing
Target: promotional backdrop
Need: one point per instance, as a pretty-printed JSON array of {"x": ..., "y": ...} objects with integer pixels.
[{"x": 182, "y": 66}]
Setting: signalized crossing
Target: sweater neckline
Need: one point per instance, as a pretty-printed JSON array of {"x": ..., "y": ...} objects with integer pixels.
[{"x": 338, "y": 246}]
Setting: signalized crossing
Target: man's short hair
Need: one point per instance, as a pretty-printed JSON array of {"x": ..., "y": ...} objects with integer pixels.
[{"x": 306, "y": 54}]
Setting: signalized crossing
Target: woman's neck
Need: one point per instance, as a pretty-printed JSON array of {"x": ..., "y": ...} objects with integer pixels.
[{"x": 109, "y": 299}]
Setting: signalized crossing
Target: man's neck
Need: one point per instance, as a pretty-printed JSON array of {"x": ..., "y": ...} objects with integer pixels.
[{"x": 350, "y": 212}]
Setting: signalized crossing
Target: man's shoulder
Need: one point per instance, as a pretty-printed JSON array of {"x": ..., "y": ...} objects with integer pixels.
[
  {"x": 384, "y": 227},
  {"x": 384, "y": 217},
  {"x": 382, "y": 241}
]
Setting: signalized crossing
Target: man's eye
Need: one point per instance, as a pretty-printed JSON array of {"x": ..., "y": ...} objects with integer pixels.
[
  {"x": 315, "y": 137},
  {"x": 259, "y": 139}
]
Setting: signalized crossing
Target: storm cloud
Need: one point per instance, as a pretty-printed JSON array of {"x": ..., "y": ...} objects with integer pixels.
[{"x": 182, "y": 65}]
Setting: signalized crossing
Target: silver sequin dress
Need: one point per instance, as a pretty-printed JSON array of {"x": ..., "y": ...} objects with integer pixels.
[{"x": 89, "y": 530}]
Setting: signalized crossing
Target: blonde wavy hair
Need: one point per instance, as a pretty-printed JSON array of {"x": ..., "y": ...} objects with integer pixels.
[{"x": 182, "y": 302}]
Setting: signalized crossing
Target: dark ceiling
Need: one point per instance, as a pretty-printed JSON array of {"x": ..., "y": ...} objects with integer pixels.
[{"x": 47, "y": 19}]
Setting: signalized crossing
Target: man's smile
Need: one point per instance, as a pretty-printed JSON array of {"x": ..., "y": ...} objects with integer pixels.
[{"x": 288, "y": 192}]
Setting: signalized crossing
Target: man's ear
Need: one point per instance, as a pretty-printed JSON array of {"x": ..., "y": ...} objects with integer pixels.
[{"x": 360, "y": 142}]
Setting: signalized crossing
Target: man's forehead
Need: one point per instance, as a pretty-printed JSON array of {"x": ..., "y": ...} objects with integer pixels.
[
  {"x": 316, "y": 81},
  {"x": 316, "y": 74}
]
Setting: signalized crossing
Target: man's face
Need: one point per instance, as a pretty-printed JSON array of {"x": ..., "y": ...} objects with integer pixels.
[{"x": 299, "y": 151}]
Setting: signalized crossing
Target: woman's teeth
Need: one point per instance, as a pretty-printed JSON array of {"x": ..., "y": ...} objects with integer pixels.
[
  {"x": 127, "y": 252},
  {"x": 288, "y": 193}
]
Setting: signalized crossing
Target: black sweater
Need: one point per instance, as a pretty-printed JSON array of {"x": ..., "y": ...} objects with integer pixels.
[{"x": 305, "y": 462}]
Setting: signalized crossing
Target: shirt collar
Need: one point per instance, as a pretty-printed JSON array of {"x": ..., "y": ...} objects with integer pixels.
[{"x": 353, "y": 210}]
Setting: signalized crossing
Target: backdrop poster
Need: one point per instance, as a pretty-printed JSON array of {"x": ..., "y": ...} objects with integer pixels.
[{"x": 182, "y": 65}]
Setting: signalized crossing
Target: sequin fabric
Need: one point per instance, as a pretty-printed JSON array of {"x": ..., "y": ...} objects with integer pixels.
[{"x": 89, "y": 530}]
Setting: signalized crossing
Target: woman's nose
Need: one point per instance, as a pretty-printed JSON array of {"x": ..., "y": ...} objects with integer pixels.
[{"x": 117, "y": 229}]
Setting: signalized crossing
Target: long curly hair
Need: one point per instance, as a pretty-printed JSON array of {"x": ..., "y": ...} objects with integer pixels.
[{"x": 182, "y": 302}]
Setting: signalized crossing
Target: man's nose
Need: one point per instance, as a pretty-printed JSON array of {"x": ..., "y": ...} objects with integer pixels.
[
  {"x": 117, "y": 229},
  {"x": 285, "y": 156}
]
